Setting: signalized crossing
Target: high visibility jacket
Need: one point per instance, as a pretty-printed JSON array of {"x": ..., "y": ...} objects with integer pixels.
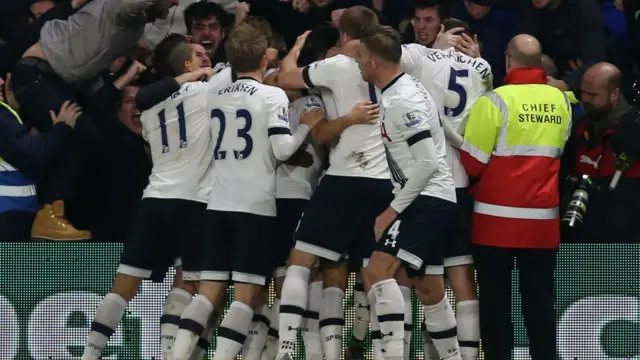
[
  {"x": 17, "y": 192},
  {"x": 513, "y": 141}
]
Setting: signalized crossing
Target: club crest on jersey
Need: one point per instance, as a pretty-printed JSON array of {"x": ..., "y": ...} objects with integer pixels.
[
  {"x": 283, "y": 114},
  {"x": 313, "y": 103},
  {"x": 412, "y": 118}
]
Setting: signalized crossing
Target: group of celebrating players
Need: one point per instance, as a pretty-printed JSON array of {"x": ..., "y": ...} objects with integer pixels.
[{"x": 232, "y": 194}]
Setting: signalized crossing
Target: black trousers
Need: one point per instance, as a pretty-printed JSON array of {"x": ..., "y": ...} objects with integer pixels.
[
  {"x": 15, "y": 226},
  {"x": 38, "y": 89},
  {"x": 536, "y": 268}
]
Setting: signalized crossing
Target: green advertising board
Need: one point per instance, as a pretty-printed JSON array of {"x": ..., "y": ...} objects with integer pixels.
[{"x": 49, "y": 293}]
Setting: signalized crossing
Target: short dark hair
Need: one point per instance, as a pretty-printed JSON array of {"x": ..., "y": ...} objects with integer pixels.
[
  {"x": 384, "y": 42},
  {"x": 202, "y": 10},
  {"x": 357, "y": 21},
  {"x": 439, "y": 5},
  {"x": 162, "y": 53},
  {"x": 180, "y": 53},
  {"x": 322, "y": 38},
  {"x": 246, "y": 46},
  {"x": 452, "y": 23}
]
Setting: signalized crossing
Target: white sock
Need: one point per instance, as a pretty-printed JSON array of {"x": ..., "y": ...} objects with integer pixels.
[
  {"x": 271, "y": 347},
  {"x": 441, "y": 325},
  {"x": 194, "y": 319},
  {"x": 108, "y": 317},
  {"x": 376, "y": 335},
  {"x": 408, "y": 320},
  {"x": 257, "y": 337},
  {"x": 430, "y": 351},
  {"x": 390, "y": 310},
  {"x": 233, "y": 331},
  {"x": 293, "y": 303},
  {"x": 174, "y": 304},
  {"x": 311, "y": 337},
  {"x": 361, "y": 321},
  {"x": 332, "y": 322},
  {"x": 468, "y": 322},
  {"x": 207, "y": 335}
]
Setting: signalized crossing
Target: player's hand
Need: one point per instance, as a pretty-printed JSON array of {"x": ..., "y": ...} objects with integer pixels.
[
  {"x": 364, "y": 113},
  {"x": 204, "y": 73},
  {"x": 301, "y": 158},
  {"x": 312, "y": 117},
  {"x": 383, "y": 221},
  {"x": 447, "y": 39},
  {"x": 242, "y": 11},
  {"x": 469, "y": 46},
  {"x": 69, "y": 113},
  {"x": 300, "y": 42},
  {"x": 301, "y": 5}
]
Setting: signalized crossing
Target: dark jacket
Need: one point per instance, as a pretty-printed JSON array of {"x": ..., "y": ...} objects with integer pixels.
[
  {"x": 31, "y": 154},
  {"x": 573, "y": 30}
]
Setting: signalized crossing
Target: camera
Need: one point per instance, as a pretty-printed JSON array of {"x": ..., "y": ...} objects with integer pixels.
[{"x": 577, "y": 207}]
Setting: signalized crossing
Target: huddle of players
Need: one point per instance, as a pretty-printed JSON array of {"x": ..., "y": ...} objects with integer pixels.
[{"x": 238, "y": 148}]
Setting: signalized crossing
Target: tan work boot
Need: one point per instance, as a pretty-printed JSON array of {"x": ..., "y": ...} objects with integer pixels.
[{"x": 50, "y": 224}]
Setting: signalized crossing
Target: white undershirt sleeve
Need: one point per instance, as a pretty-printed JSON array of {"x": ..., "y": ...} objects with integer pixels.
[
  {"x": 426, "y": 164},
  {"x": 286, "y": 144}
]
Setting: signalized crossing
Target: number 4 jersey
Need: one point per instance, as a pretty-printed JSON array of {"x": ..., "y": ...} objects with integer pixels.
[
  {"x": 455, "y": 81},
  {"x": 177, "y": 130}
]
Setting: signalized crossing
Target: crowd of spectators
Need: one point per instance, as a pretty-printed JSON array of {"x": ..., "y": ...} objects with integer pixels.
[{"x": 90, "y": 164}]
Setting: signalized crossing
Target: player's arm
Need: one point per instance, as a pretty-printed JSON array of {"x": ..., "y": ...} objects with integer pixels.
[
  {"x": 423, "y": 151},
  {"x": 412, "y": 58},
  {"x": 481, "y": 133},
  {"x": 152, "y": 94},
  {"x": 363, "y": 113},
  {"x": 452, "y": 136},
  {"x": 323, "y": 73},
  {"x": 283, "y": 143}
]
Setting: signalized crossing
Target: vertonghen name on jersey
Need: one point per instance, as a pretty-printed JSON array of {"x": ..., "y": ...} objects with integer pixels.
[
  {"x": 479, "y": 66},
  {"x": 239, "y": 87}
]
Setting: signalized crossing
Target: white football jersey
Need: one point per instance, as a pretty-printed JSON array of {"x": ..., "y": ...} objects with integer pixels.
[
  {"x": 455, "y": 81},
  {"x": 243, "y": 116},
  {"x": 360, "y": 151},
  {"x": 295, "y": 182},
  {"x": 409, "y": 115},
  {"x": 223, "y": 77},
  {"x": 177, "y": 130}
]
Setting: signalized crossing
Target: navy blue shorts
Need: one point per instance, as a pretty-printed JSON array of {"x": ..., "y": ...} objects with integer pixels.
[
  {"x": 289, "y": 214},
  {"x": 237, "y": 247},
  {"x": 457, "y": 245},
  {"x": 162, "y": 231},
  {"x": 340, "y": 217},
  {"x": 417, "y": 236}
]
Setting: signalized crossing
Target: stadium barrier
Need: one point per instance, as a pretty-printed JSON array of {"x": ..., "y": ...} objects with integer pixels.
[{"x": 49, "y": 293}]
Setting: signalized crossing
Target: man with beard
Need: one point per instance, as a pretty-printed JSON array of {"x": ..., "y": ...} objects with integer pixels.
[
  {"x": 607, "y": 135},
  {"x": 206, "y": 22}
]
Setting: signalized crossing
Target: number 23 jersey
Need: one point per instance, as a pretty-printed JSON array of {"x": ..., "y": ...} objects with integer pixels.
[
  {"x": 177, "y": 130},
  {"x": 243, "y": 117}
]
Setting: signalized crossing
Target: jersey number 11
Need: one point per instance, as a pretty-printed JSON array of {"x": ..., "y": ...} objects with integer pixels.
[{"x": 181, "y": 125}]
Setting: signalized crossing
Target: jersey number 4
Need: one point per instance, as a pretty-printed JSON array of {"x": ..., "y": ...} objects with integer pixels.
[
  {"x": 182, "y": 129},
  {"x": 458, "y": 89},
  {"x": 242, "y": 133}
]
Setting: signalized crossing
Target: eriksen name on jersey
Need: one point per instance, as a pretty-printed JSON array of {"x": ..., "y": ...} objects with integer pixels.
[{"x": 239, "y": 87}]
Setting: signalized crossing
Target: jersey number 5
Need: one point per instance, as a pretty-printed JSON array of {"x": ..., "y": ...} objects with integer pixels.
[
  {"x": 242, "y": 133},
  {"x": 458, "y": 89},
  {"x": 181, "y": 125}
]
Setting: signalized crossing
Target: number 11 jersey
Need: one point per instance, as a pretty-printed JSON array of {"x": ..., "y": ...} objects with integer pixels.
[
  {"x": 177, "y": 131},
  {"x": 243, "y": 117}
]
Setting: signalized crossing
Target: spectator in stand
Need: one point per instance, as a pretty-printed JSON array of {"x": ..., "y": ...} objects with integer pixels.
[
  {"x": 23, "y": 157},
  {"x": 426, "y": 22},
  {"x": 571, "y": 32},
  {"x": 206, "y": 24},
  {"x": 494, "y": 26},
  {"x": 72, "y": 53},
  {"x": 610, "y": 127}
]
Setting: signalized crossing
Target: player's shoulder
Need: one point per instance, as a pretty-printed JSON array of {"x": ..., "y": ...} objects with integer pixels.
[
  {"x": 416, "y": 49},
  {"x": 407, "y": 93},
  {"x": 337, "y": 61},
  {"x": 224, "y": 77}
]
